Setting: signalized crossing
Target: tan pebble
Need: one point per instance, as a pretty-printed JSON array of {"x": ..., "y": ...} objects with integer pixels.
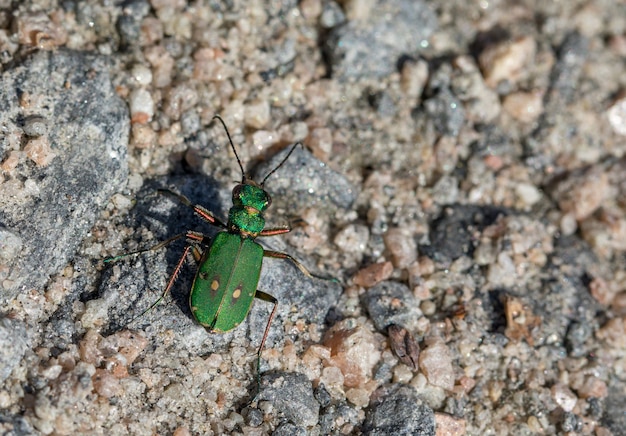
[
  {"x": 373, "y": 274},
  {"x": 508, "y": 60},
  {"x": 447, "y": 425},
  {"x": 524, "y": 106}
]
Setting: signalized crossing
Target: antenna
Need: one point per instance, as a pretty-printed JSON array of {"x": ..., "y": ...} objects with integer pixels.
[
  {"x": 281, "y": 162},
  {"x": 243, "y": 173}
]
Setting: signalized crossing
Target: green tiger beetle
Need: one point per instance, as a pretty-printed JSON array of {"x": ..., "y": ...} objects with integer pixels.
[{"x": 229, "y": 265}]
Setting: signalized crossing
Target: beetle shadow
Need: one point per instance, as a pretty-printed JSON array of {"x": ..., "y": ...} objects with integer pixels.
[{"x": 155, "y": 218}]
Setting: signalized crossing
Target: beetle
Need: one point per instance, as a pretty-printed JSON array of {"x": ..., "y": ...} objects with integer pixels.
[{"x": 229, "y": 264}]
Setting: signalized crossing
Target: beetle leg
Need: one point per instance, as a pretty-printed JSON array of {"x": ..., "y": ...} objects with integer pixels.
[
  {"x": 296, "y": 222},
  {"x": 275, "y": 231},
  {"x": 176, "y": 272},
  {"x": 197, "y": 238},
  {"x": 280, "y": 255},
  {"x": 153, "y": 248},
  {"x": 192, "y": 237},
  {"x": 270, "y": 299},
  {"x": 170, "y": 282},
  {"x": 201, "y": 211},
  {"x": 306, "y": 272},
  {"x": 193, "y": 240}
]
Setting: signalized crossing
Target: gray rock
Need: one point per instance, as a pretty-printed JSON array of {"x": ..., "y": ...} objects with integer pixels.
[
  {"x": 14, "y": 341},
  {"x": 577, "y": 335},
  {"x": 563, "y": 299},
  {"x": 571, "y": 423},
  {"x": 398, "y": 411},
  {"x": 567, "y": 71},
  {"x": 446, "y": 111},
  {"x": 129, "y": 22},
  {"x": 20, "y": 425},
  {"x": 371, "y": 47},
  {"x": 452, "y": 233},
  {"x": 614, "y": 417},
  {"x": 305, "y": 181},
  {"x": 336, "y": 413},
  {"x": 49, "y": 208},
  {"x": 564, "y": 84},
  {"x": 391, "y": 303},
  {"x": 331, "y": 15},
  {"x": 288, "y": 429},
  {"x": 291, "y": 394}
]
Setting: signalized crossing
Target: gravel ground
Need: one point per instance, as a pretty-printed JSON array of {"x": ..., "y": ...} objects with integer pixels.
[{"x": 460, "y": 190}]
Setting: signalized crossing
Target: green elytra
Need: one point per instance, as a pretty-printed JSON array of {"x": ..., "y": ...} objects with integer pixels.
[{"x": 229, "y": 266}]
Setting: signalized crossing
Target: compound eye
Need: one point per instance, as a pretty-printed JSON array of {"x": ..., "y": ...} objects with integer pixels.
[
  {"x": 237, "y": 193},
  {"x": 268, "y": 201}
]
